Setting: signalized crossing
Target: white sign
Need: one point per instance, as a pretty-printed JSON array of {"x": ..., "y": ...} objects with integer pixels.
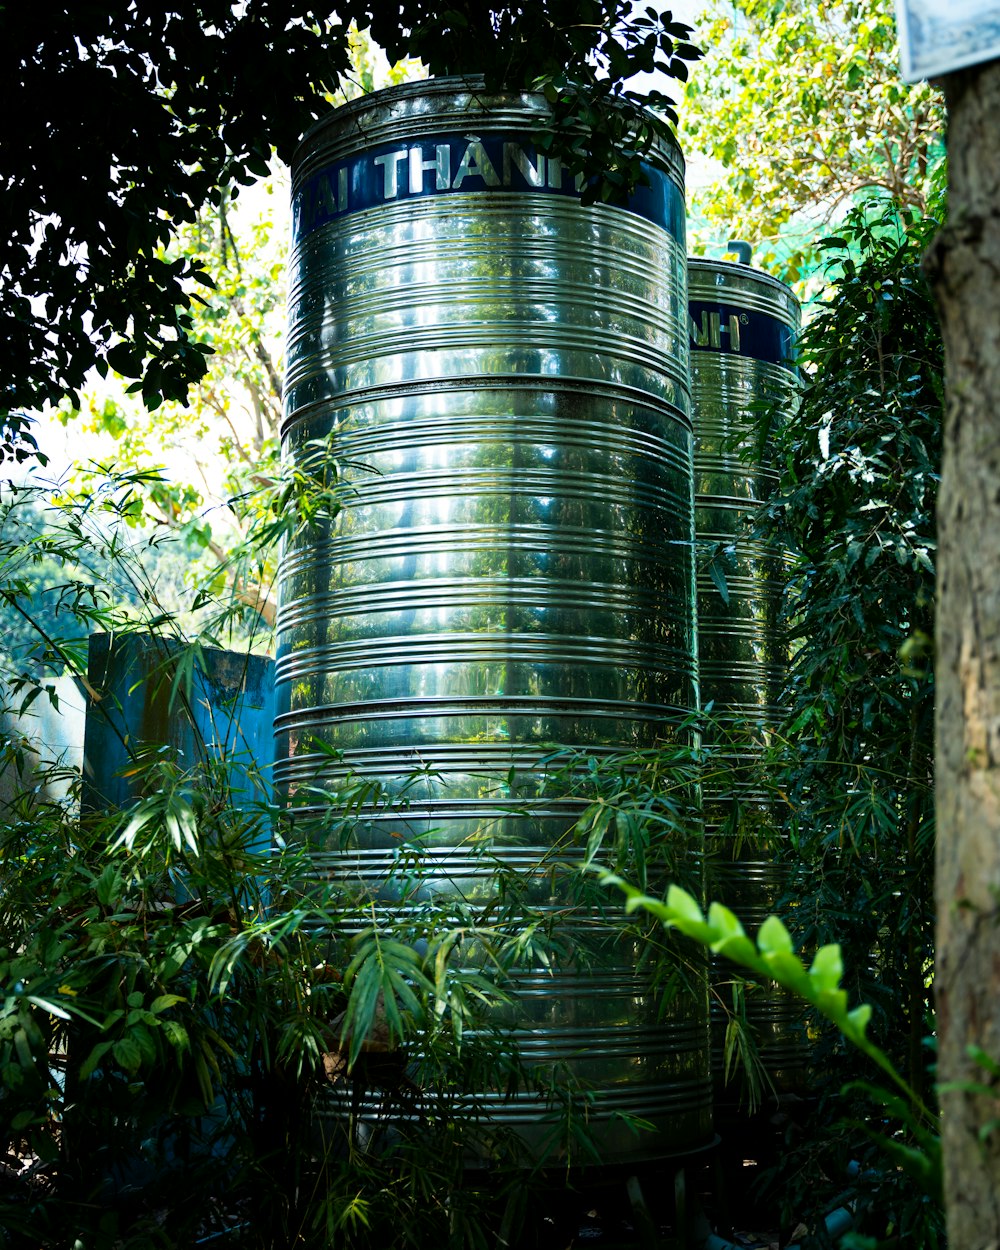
[{"x": 939, "y": 36}]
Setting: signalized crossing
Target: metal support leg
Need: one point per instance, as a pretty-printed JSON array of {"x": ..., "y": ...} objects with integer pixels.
[
  {"x": 644, "y": 1225},
  {"x": 508, "y": 1221},
  {"x": 681, "y": 1207}
]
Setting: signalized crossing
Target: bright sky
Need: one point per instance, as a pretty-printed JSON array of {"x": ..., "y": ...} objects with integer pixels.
[{"x": 699, "y": 170}]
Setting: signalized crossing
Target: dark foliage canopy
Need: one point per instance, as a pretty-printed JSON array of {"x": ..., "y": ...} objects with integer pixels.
[
  {"x": 129, "y": 117},
  {"x": 124, "y": 118}
]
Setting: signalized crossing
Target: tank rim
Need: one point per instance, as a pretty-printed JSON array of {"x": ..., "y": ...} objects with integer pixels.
[
  {"x": 669, "y": 152},
  {"x": 734, "y": 269}
]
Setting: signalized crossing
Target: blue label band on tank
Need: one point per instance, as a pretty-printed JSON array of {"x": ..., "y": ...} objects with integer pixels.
[
  {"x": 444, "y": 164},
  {"x": 737, "y": 331}
]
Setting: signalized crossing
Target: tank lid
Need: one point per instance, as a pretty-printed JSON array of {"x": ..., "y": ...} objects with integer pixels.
[{"x": 429, "y": 104}]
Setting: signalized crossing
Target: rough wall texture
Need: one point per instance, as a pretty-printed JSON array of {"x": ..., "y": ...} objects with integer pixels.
[{"x": 965, "y": 268}]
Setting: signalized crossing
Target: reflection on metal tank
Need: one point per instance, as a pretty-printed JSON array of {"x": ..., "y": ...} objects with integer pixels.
[
  {"x": 743, "y": 325},
  {"x": 503, "y": 374}
]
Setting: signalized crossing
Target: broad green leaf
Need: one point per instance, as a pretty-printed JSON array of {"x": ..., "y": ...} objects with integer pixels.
[
  {"x": 127, "y": 1053},
  {"x": 827, "y": 968},
  {"x": 737, "y": 947},
  {"x": 177, "y": 1035},
  {"x": 833, "y": 1005},
  {"x": 858, "y": 1020},
  {"x": 109, "y": 886},
  {"x": 164, "y": 1002},
  {"x": 23, "y": 1049},
  {"x": 598, "y": 818},
  {"x": 146, "y": 1043},
  {"x": 46, "y": 1004},
  {"x": 97, "y": 1053},
  {"x": 683, "y": 905},
  {"x": 788, "y": 970},
  {"x": 724, "y": 921},
  {"x": 204, "y": 1078},
  {"x": 718, "y": 575},
  {"x": 774, "y": 938}
]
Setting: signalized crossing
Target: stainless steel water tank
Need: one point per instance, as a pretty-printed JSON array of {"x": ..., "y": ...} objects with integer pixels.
[
  {"x": 743, "y": 325},
  {"x": 503, "y": 375}
]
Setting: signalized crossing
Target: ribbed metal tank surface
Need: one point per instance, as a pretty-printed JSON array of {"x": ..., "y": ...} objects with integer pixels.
[
  {"x": 503, "y": 374},
  {"x": 743, "y": 325}
]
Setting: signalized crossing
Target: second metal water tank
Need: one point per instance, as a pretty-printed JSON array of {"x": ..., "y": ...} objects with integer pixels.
[{"x": 743, "y": 326}]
